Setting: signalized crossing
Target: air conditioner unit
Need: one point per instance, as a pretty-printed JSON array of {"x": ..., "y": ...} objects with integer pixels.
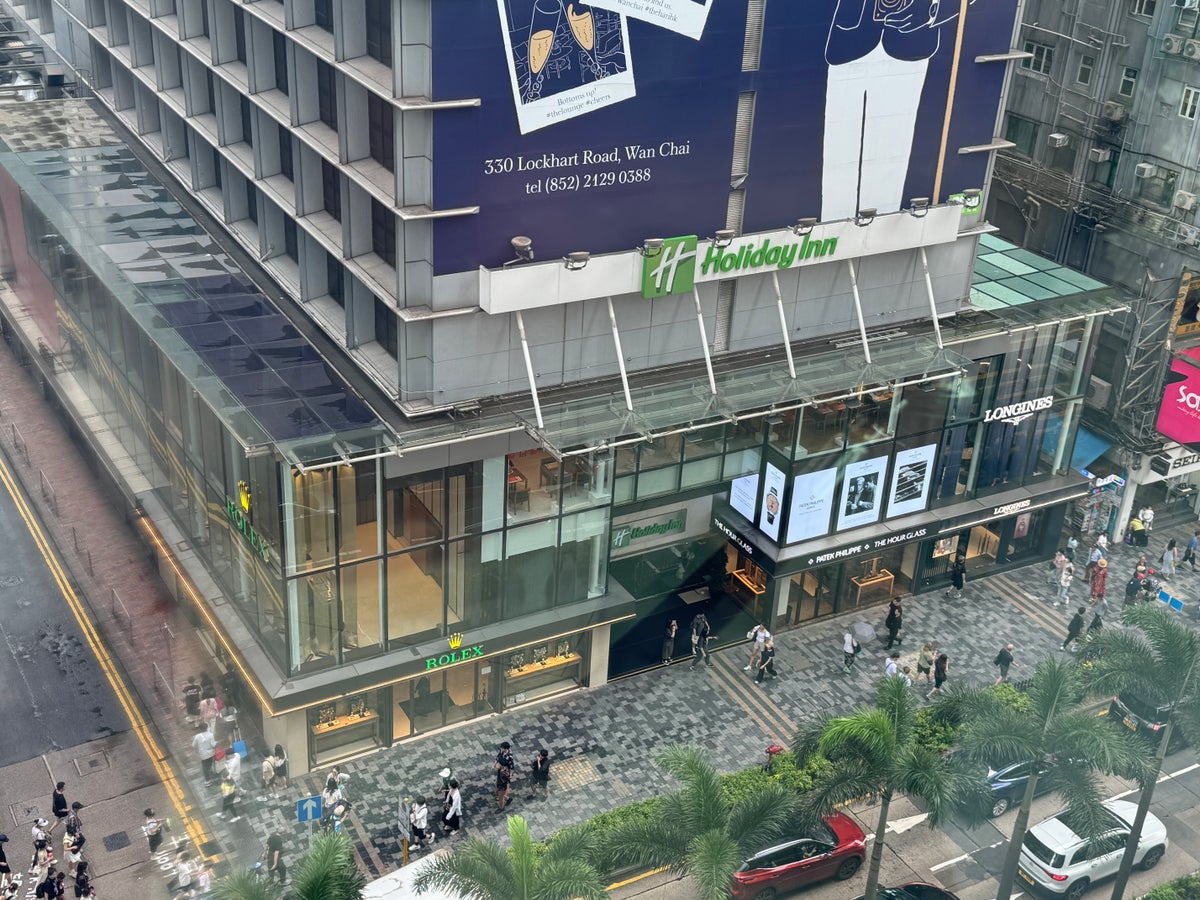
[
  {"x": 1099, "y": 154},
  {"x": 1113, "y": 111},
  {"x": 1099, "y": 392},
  {"x": 1185, "y": 200},
  {"x": 1172, "y": 44},
  {"x": 1145, "y": 170},
  {"x": 1058, "y": 140},
  {"x": 1191, "y": 49},
  {"x": 1188, "y": 234}
]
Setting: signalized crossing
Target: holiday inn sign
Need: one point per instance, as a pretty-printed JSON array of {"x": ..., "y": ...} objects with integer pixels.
[{"x": 673, "y": 269}]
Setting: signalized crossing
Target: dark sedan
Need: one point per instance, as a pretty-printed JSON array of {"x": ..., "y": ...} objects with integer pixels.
[
  {"x": 914, "y": 890},
  {"x": 1007, "y": 784}
]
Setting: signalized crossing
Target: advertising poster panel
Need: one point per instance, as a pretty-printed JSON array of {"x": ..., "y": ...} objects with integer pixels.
[
  {"x": 812, "y": 502},
  {"x": 769, "y": 518},
  {"x": 742, "y": 494},
  {"x": 910, "y": 484},
  {"x": 862, "y": 492},
  {"x": 599, "y": 125},
  {"x": 1179, "y": 415}
]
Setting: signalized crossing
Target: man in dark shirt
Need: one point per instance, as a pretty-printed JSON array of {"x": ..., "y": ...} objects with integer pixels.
[
  {"x": 541, "y": 775},
  {"x": 504, "y": 773},
  {"x": 1004, "y": 659},
  {"x": 275, "y": 864}
]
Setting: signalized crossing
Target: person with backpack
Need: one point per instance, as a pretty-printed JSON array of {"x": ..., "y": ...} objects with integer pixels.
[
  {"x": 850, "y": 650},
  {"x": 418, "y": 818},
  {"x": 1004, "y": 659}
]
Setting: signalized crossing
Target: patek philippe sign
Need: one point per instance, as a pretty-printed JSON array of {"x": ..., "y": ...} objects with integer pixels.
[
  {"x": 1015, "y": 413},
  {"x": 874, "y": 545}
]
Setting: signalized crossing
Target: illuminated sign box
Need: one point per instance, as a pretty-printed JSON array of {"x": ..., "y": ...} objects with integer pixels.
[{"x": 1179, "y": 415}]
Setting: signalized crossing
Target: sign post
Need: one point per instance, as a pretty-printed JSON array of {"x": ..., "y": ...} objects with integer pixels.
[{"x": 309, "y": 810}]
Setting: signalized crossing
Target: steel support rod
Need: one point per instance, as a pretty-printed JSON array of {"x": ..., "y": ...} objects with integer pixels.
[
  {"x": 937, "y": 328},
  {"x": 612, "y": 320},
  {"x": 537, "y": 406},
  {"x": 862, "y": 328},
  {"x": 712, "y": 381},
  {"x": 787, "y": 342}
]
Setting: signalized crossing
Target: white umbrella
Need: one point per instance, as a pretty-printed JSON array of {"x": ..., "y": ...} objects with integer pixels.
[{"x": 863, "y": 632}]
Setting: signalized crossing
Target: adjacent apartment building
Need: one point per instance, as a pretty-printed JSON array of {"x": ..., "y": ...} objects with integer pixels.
[{"x": 449, "y": 350}]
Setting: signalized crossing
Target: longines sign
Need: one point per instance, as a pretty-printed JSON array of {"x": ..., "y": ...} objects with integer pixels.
[{"x": 1015, "y": 413}]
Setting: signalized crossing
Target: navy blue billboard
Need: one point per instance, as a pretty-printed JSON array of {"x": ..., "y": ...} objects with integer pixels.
[{"x": 600, "y": 126}]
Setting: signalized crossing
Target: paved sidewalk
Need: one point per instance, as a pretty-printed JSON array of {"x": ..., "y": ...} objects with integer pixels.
[{"x": 602, "y": 740}]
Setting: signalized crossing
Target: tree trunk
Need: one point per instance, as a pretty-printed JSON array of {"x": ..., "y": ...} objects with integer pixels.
[
  {"x": 1012, "y": 856},
  {"x": 1143, "y": 807},
  {"x": 885, "y": 802}
]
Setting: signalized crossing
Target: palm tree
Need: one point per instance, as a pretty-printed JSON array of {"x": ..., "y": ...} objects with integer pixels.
[
  {"x": 327, "y": 872},
  {"x": 1159, "y": 661},
  {"x": 874, "y": 752},
  {"x": 1054, "y": 726},
  {"x": 483, "y": 870},
  {"x": 697, "y": 831}
]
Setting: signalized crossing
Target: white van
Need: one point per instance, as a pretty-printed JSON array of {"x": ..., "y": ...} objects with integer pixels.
[{"x": 398, "y": 885}]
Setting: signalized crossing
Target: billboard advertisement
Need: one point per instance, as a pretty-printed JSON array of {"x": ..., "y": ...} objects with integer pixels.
[
  {"x": 910, "y": 484},
  {"x": 862, "y": 492},
  {"x": 602, "y": 124},
  {"x": 1179, "y": 415},
  {"x": 812, "y": 501},
  {"x": 769, "y": 518}
]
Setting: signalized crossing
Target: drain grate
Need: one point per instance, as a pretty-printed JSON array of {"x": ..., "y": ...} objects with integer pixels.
[
  {"x": 114, "y": 842},
  {"x": 91, "y": 764},
  {"x": 573, "y": 773}
]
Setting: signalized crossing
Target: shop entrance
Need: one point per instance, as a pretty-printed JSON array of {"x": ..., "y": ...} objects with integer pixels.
[
  {"x": 440, "y": 698},
  {"x": 840, "y": 587}
]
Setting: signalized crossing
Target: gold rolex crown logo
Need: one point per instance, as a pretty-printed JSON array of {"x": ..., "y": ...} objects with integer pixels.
[
  {"x": 455, "y": 640},
  {"x": 244, "y": 495}
]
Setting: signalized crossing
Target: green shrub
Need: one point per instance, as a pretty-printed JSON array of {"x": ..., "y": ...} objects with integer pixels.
[
  {"x": 740, "y": 785},
  {"x": 794, "y": 777},
  {"x": 1009, "y": 696},
  {"x": 1186, "y": 888},
  {"x": 933, "y": 731}
]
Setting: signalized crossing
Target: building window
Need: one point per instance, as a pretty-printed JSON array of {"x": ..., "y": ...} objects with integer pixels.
[
  {"x": 386, "y": 328},
  {"x": 1144, "y": 7},
  {"x": 333, "y": 278},
  {"x": 1188, "y": 19},
  {"x": 379, "y": 30},
  {"x": 1160, "y": 188},
  {"x": 331, "y": 190},
  {"x": 324, "y": 14},
  {"x": 1043, "y": 58},
  {"x": 279, "y": 44},
  {"x": 1023, "y": 133},
  {"x": 285, "y": 153},
  {"x": 247, "y": 124},
  {"x": 239, "y": 34},
  {"x": 1105, "y": 173},
  {"x": 1087, "y": 65},
  {"x": 1129, "y": 77},
  {"x": 291, "y": 244},
  {"x": 1187, "y": 104},
  {"x": 382, "y": 131},
  {"x": 251, "y": 202},
  {"x": 204, "y": 19},
  {"x": 383, "y": 232},
  {"x": 326, "y": 102}
]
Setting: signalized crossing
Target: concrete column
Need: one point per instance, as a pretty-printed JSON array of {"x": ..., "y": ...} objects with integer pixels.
[
  {"x": 1133, "y": 479},
  {"x": 598, "y": 670}
]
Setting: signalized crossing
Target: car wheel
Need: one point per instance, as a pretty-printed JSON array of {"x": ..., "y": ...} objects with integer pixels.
[
  {"x": 848, "y": 868},
  {"x": 766, "y": 894},
  {"x": 1150, "y": 860},
  {"x": 999, "y": 807},
  {"x": 1078, "y": 889}
]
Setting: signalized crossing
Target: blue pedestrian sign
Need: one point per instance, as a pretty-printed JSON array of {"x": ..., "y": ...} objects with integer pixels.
[{"x": 308, "y": 809}]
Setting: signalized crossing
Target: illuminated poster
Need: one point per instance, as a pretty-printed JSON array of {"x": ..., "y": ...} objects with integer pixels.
[
  {"x": 1179, "y": 415},
  {"x": 564, "y": 60},
  {"x": 910, "y": 485},
  {"x": 812, "y": 501},
  {"x": 769, "y": 518},
  {"x": 742, "y": 494},
  {"x": 862, "y": 493},
  {"x": 682, "y": 16}
]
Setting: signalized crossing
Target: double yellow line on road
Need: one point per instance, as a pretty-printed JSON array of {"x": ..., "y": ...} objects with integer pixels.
[{"x": 141, "y": 728}]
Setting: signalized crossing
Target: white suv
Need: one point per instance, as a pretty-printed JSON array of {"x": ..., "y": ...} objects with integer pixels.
[{"x": 1056, "y": 861}]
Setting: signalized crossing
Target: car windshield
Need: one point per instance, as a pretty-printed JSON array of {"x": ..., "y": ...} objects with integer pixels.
[
  {"x": 1042, "y": 853},
  {"x": 825, "y": 834},
  {"x": 1142, "y": 709}
]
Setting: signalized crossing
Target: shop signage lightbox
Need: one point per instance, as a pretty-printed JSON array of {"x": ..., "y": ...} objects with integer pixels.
[
  {"x": 655, "y": 526},
  {"x": 1179, "y": 415}
]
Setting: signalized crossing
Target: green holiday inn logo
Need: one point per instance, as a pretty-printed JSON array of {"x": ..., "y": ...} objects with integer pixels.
[{"x": 673, "y": 271}]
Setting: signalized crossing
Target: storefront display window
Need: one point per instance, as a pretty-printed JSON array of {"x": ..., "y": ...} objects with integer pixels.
[
  {"x": 342, "y": 727},
  {"x": 362, "y": 630},
  {"x": 544, "y": 668}
]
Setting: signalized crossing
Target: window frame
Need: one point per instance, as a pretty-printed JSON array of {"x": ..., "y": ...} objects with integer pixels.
[
  {"x": 1042, "y": 61},
  {"x": 1127, "y": 78},
  {"x": 1143, "y": 8},
  {"x": 1189, "y": 101},
  {"x": 1087, "y": 63}
]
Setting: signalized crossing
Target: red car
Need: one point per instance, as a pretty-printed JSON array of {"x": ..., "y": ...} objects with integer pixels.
[{"x": 835, "y": 851}]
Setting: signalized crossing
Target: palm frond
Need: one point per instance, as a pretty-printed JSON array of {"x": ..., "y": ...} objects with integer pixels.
[
  {"x": 1118, "y": 660},
  {"x": 958, "y": 703},
  {"x": 478, "y": 869},
  {"x": 713, "y": 857},
  {"x": 847, "y": 781},
  {"x": 524, "y": 862},
  {"x": 240, "y": 886},
  {"x": 1000, "y": 736},
  {"x": 1115, "y": 751},
  {"x": 895, "y": 699},
  {"x": 806, "y": 744},
  {"x": 924, "y": 774},
  {"x": 700, "y": 786},
  {"x": 762, "y": 817},
  {"x": 568, "y": 879},
  {"x": 1176, "y": 646},
  {"x": 866, "y": 733},
  {"x": 328, "y": 871},
  {"x": 573, "y": 842},
  {"x": 656, "y": 843},
  {"x": 1080, "y": 791},
  {"x": 1055, "y": 689}
]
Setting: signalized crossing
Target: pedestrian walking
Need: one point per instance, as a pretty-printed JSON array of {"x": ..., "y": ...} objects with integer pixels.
[
  {"x": 1074, "y": 627},
  {"x": 58, "y": 805},
  {"x": 766, "y": 662},
  {"x": 892, "y": 665},
  {"x": 1169, "y": 558},
  {"x": 205, "y": 746},
  {"x": 1056, "y": 567},
  {"x": 1072, "y": 545},
  {"x": 453, "y": 817},
  {"x": 1004, "y": 659},
  {"x": 1099, "y": 610},
  {"x": 668, "y": 644},
  {"x": 1146, "y": 514},
  {"x": 267, "y": 774},
  {"x": 850, "y": 650},
  {"x": 74, "y": 854},
  {"x": 153, "y": 829},
  {"x": 958, "y": 577},
  {"x": 191, "y": 701},
  {"x": 894, "y": 623},
  {"x": 701, "y": 635},
  {"x": 1098, "y": 553},
  {"x": 1100, "y": 580},
  {"x": 1132, "y": 586},
  {"x": 758, "y": 637},
  {"x": 40, "y": 865},
  {"x": 418, "y": 818},
  {"x": 505, "y": 765},
  {"x": 184, "y": 870},
  {"x": 941, "y": 669},
  {"x": 1193, "y": 546},
  {"x": 233, "y": 765},
  {"x": 5, "y": 868},
  {"x": 280, "y": 762},
  {"x": 1064, "y": 583},
  {"x": 229, "y": 798},
  {"x": 540, "y": 774},
  {"x": 925, "y": 660},
  {"x": 83, "y": 883}
]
